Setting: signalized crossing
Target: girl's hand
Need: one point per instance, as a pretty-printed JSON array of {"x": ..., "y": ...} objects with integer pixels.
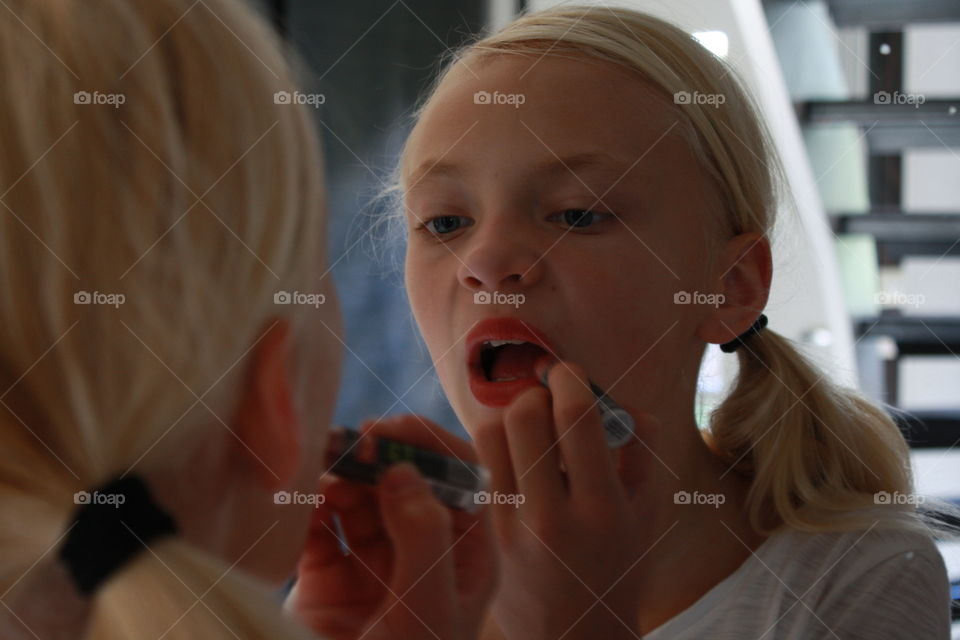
[
  {"x": 570, "y": 519},
  {"x": 416, "y": 569}
]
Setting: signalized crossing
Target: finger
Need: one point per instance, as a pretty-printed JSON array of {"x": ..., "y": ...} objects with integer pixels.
[
  {"x": 355, "y": 505},
  {"x": 583, "y": 446},
  {"x": 427, "y": 435},
  {"x": 423, "y": 576},
  {"x": 490, "y": 438},
  {"x": 477, "y": 565},
  {"x": 323, "y": 544},
  {"x": 533, "y": 451},
  {"x": 344, "y": 495},
  {"x": 362, "y": 524}
]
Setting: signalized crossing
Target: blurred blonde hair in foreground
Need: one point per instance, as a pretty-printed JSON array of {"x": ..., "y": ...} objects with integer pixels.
[{"x": 118, "y": 118}]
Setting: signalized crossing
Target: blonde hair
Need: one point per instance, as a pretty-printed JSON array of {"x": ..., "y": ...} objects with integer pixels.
[
  {"x": 118, "y": 118},
  {"x": 817, "y": 454}
]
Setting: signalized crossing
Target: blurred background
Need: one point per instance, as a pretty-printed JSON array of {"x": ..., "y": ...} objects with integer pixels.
[{"x": 862, "y": 98}]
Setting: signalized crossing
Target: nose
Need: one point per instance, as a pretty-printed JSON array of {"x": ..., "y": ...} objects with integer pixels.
[{"x": 500, "y": 260}]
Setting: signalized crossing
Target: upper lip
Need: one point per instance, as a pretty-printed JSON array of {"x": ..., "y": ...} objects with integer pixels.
[{"x": 505, "y": 328}]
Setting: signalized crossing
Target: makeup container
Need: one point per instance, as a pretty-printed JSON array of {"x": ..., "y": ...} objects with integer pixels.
[{"x": 362, "y": 458}]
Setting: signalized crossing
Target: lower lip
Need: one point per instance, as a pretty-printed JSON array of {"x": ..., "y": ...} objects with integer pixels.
[{"x": 498, "y": 394}]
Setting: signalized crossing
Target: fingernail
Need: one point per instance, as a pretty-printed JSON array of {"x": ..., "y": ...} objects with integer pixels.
[
  {"x": 542, "y": 368},
  {"x": 402, "y": 478}
]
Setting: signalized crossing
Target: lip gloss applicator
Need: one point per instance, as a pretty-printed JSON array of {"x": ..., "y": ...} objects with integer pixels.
[{"x": 618, "y": 424}]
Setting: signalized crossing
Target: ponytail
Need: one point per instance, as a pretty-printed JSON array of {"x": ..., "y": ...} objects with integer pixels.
[{"x": 819, "y": 457}]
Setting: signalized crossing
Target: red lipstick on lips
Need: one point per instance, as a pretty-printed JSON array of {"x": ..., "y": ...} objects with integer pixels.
[{"x": 499, "y": 372}]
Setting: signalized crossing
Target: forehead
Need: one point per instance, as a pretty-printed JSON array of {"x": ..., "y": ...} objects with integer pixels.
[{"x": 531, "y": 110}]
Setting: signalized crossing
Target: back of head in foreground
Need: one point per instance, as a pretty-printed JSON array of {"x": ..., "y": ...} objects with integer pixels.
[{"x": 154, "y": 200}]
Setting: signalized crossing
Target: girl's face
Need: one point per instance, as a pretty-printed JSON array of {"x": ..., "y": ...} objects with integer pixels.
[{"x": 553, "y": 201}]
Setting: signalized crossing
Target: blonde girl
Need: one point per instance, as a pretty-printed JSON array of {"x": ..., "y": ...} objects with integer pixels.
[{"x": 557, "y": 199}]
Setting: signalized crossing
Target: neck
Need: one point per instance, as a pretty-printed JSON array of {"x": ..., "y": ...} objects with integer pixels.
[{"x": 693, "y": 544}]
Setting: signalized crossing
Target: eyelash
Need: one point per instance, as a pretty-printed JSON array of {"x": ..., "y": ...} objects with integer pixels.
[
  {"x": 425, "y": 225},
  {"x": 599, "y": 214}
]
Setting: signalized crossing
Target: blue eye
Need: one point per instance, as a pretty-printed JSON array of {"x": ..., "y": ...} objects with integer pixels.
[
  {"x": 581, "y": 217},
  {"x": 442, "y": 225}
]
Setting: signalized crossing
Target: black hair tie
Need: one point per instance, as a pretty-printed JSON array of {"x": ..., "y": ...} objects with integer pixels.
[
  {"x": 756, "y": 327},
  {"x": 106, "y": 528}
]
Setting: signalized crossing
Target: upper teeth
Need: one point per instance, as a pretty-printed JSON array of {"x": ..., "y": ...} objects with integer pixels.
[{"x": 500, "y": 343}]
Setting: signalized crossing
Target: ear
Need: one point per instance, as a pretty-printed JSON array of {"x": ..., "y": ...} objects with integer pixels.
[
  {"x": 266, "y": 424},
  {"x": 743, "y": 272}
]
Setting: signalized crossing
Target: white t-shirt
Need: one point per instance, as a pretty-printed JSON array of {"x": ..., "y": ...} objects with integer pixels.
[{"x": 871, "y": 585}]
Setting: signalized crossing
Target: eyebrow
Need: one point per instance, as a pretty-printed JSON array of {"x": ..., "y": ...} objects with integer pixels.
[{"x": 602, "y": 161}]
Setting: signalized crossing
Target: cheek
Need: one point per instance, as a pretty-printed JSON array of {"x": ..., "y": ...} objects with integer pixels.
[
  {"x": 417, "y": 287},
  {"x": 451, "y": 371},
  {"x": 430, "y": 305},
  {"x": 628, "y": 298},
  {"x": 424, "y": 303}
]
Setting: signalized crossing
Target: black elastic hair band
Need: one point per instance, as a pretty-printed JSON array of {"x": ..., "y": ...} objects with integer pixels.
[
  {"x": 756, "y": 327},
  {"x": 110, "y": 527}
]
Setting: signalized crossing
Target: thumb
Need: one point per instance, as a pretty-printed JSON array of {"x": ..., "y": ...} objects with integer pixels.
[{"x": 422, "y": 585}]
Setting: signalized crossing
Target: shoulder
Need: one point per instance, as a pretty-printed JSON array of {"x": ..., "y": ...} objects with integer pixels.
[
  {"x": 862, "y": 547},
  {"x": 898, "y": 571},
  {"x": 867, "y": 583},
  {"x": 807, "y": 583},
  {"x": 840, "y": 556},
  {"x": 885, "y": 583}
]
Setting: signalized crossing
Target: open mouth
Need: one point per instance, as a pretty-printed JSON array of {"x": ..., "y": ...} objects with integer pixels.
[
  {"x": 509, "y": 360},
  {"x": 502, "y": 358}
]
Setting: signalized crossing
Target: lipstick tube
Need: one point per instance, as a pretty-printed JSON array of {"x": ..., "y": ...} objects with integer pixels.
[{"x": 363, "y": 457}]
